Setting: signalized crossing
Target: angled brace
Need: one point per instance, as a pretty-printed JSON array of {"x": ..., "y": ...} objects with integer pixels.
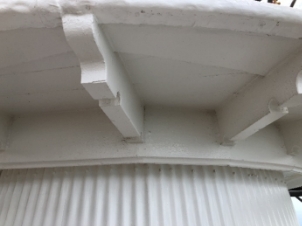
[{"x": 263, "y": 102}]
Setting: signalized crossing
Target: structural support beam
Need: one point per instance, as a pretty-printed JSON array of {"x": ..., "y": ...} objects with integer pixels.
[
  {"x": 5, "y": 122},
  {"x": 263, "y": 102},
  {"x": 103, "y": 75}
]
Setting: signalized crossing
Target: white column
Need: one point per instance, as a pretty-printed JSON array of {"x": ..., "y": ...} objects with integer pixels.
[{"x": 144, "y": 195}]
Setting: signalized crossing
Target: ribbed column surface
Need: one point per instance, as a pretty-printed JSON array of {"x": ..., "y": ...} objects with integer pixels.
[{"x": 158, "y": 195}]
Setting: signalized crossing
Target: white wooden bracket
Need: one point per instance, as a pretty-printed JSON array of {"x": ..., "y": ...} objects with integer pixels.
[
  {"x": 103, "y": 75},
  {"x": 5, "y": 123},
  {"x": 263, "y": 102}
]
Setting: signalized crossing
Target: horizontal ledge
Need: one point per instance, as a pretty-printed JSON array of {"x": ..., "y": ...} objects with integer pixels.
[
  {"x": 152, "y": 160},
  {"x": 247, "y": 16}
]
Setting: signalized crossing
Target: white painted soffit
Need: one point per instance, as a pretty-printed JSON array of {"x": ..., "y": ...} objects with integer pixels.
[
  {"x": 231, "y": 15},
  {"x": 247, "y": 16},
  {"x": 5, "y": 123}
]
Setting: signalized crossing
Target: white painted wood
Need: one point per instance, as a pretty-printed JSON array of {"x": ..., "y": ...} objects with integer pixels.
[
  {"x": 239, "y": 51},
  {"x": 250, "y": 110},
  {"x": 55, "y": 61},
  {"x": 275, "y": 113},
  {"x": 39, "y": 82},
  {"x": 167, "y": 82},
  {"x": 21, "y": 46},
  {"x": 247, "y": 51},
  {"x": 192, "y": 54},
  {"x": 48, "y": 84},
  {"x": 22, "y": 14},
  {"x": 105, "y": 81},
  {"x": 173, "y": 136},
  {"x": 249, "y": 16},
  {"x": 5, "y": 123}
]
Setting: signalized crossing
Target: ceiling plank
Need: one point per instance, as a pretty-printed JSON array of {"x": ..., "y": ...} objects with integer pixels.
[{"x": 5, "y": 122}]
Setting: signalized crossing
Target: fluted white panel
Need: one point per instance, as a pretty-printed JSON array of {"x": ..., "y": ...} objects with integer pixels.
[{"x": 144, "y": 195}]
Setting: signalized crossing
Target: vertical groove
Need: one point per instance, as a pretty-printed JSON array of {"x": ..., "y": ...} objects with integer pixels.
[
  {"x": 188, "y": 200},
  {"x": 201, "y": 212},
  {"x": 268, "y": 208},
  {"x": 182, "y": 195},
  {"x": 120, "y": 195},
  {"x": 106, "y": 195},
  {"x": 15, "y": 202},
  {"x": 113, "y": 188},
  {"x": 66, "y": 176},
  {"x": 225, "y": 196},
  {"x": 176, "y": 183},
  {"x": 57, "y": 197},
  {"x": 208, "y": 175},
  {"x": 144, "y": 195},
  {"x": 125, "y": 196},
  {"x": 170, "y": 187},
  {"x": 4, "y": 180},
  {"x": 33, "y": 196},
  {"x": 133, "y": 196},
  {"x": 42, "y": 199},
  {"x": 159, "y": 195},
  {"x": 140, "y": 194},
  {"x": 250, "y": 194},
  {"x": 194, "y": 196},
  {"x": 100, "y": 196},
  {"x": 24, "y": 197},
  {"x": 94, "y": 197},
  {"x": 68, "y": 205},
  {"x": 87, "y": 196},
  {"x": 146, "y": 200},
  {"x": 229, "y": 175},
  {"x": 81, "y": 185},
  {"x": 48, "y": 208},
  {"x": 8, "y": 196},
  {"x": 166, "y": 196}
]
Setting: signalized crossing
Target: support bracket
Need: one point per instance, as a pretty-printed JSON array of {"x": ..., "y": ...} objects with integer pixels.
[
  {"x": 263, "y": 102},
  {"x": 103, "y": 75}
]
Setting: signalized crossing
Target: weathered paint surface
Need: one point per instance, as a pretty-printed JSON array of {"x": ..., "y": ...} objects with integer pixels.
[
  {"x": 222, "y": 70},
  {"x": 230, "y": 14},
  {"x": 171, "y": 136},
  {"x": 103, "y": 75},
  {"x": 232, "y": 57}
]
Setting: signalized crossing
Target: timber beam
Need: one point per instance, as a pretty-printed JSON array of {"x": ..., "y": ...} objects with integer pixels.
[
  {"x": 103, "y": 75},
  {"x": 262, "y": 102}
]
